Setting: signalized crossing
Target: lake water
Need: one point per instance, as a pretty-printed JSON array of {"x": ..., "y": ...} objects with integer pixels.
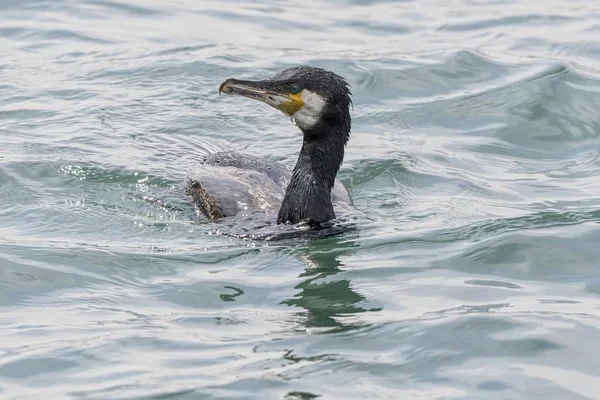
[{"x": 474, "y": 166}]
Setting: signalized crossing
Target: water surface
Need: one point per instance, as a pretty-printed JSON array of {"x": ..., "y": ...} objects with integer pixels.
[{"x": 473, "y": 164}]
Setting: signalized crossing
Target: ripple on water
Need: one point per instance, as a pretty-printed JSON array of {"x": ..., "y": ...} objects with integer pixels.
[{"x": 471, "y": 266}]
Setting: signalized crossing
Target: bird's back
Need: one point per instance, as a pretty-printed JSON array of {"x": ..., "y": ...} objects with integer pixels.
[{"x": 230, "y": 182}]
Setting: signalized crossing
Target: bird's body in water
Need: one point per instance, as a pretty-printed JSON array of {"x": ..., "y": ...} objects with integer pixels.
[{"x": 318, "y": 101}]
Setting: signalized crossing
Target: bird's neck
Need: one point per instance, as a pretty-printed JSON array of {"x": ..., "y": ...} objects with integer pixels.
[{"x": 308, "y": 194}]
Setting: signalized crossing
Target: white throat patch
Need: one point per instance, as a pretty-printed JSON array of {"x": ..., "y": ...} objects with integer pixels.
[{"x": 309, "y": 114}]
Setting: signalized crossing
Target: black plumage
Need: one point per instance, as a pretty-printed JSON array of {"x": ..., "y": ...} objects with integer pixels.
[{"x": 232, "y": 182}]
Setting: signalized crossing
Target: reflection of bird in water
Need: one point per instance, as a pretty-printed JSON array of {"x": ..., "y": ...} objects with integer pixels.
[{"x": 318, "y": 101}]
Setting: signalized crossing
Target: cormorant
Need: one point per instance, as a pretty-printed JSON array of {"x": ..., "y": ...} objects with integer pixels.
[{"x": 318, "y": 101}]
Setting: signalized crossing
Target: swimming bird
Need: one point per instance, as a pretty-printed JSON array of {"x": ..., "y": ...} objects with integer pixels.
[{"x": 318, "y": 101}]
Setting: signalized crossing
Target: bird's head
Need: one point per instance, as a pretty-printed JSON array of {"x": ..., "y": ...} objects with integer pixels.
[{"x": 316, "y": 99}]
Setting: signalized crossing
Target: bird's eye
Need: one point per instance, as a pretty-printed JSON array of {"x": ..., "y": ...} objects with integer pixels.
[{"x": 295, "y": 88}]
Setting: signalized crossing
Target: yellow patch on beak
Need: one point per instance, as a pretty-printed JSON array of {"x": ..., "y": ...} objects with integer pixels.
[{"x": 294, "y": 105}]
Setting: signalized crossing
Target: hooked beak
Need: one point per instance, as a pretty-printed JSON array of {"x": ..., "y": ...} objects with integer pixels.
[{"x": 265, "y": 92}]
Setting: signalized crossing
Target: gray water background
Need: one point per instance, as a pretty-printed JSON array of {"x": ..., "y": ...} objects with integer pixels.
[{"x": 474, "y": 164}]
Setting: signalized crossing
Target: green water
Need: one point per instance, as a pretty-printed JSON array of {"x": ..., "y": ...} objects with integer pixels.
[{"x": 474, "y": 272}]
